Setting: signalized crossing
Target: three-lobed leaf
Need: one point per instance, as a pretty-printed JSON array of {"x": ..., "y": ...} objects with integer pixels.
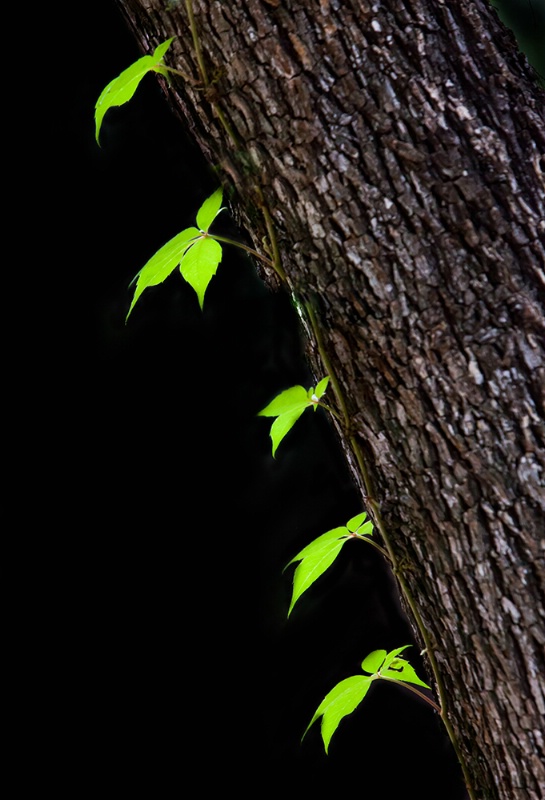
[
  {"x": 288, "y": 406},
  {"x": 390, "y": 666},
  {"x": 121, "y": 89},
  {"x": 317, "y": 556},
  {"x": 196, "y": 252},
  {"x": 345, "y": 697}
]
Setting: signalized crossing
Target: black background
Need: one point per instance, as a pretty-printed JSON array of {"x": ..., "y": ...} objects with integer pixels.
[{"x": 183, "y": 668}]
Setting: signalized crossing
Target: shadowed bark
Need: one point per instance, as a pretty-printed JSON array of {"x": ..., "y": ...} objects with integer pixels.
[{"x": 390, "y": 160}]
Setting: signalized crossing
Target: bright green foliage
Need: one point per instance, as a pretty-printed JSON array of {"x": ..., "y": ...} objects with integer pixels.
[
  {"x": 288, "y": 406},
  {"x": 344, "y": 698},
  {"x": 317, "y": 556},
  {"x": 194, "y": 250},
  {"x": 165, "y": 261},
  {"x": 209, "y": 210},
  {"x": 200, "y": 263},
  {"x": 341, "y": 701},
  {"x": 389, "y": 666},
  {"x": 122, "y": 88}
]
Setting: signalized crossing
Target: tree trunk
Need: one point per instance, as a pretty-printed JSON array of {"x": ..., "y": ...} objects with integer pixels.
[{"x": 392, "y": 158}]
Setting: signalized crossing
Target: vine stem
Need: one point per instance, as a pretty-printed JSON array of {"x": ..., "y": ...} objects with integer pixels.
[
  {"x": 275, "y": 263},
  {"x": 204, "y": 73},
  {"x": 394, "y": 564},
  {"x": 414, "y": 690},
  {"x": 196, "y": 43},
  {"x": 242, "y": 247},
  {"x": 181, "y": 74},
  {"x": 345, "y": 422}
]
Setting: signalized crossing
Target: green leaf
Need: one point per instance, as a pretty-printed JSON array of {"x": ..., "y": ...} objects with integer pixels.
[
  {"x": 392, "y": 655},
  {"x": 388, "y": 665},
  {"x": 342, "y": 700},
  {"x": 282, "y": 425},
  {"x": 209, "y": 210},
  {"x": 121, "y": 89},
  {"x": 356, "y": 525},
  {"x": 373, "y": 662},
  {"x": 194, "y": 251},
  {"x": 286, "y": 401},
  {"x": 316, "y": 558},
  {"x": 165, "y": 260},
  {"x": 401, "y": 670},
  {"x": 323, "y": 540},
  {"x": 200, "y": 263},
  {"x": 321, "y": 387},
  {"x": 288, "y": 407}
]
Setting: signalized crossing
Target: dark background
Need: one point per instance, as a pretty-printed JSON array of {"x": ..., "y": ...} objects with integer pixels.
[{"x": 183, "y": 669}]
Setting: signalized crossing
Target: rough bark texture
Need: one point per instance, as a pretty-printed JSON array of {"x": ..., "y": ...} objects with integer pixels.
[{"x": 399, "y": 149}]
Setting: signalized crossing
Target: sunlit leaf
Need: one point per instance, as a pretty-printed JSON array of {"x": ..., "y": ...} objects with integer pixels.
[
  {"x": 288, "y": 400},
  {"x": 196, "y": 253},
  {"x": 373, "y": 662},
  {"x": 209, "y": 210},
  {"x": 121, "y": 89},
  {"x": 321, "y": 386},
  {"x": 282, "y": 425},
  {"x": 342, "y": 700},
  {"x": 318, "y": 558},
  {"x": 165, "y": 261},
  {"x": 200, "y": 263},
  {"x": 392, "y": 655},
  {"x": 321, "y": 541},
  {"x": 288, "y": 407},
  {"x": 401, "y": 670},
  {"x": 347, "y": 694},
  {"x": 356, "y": 525},
  {"x": 389, "y": 665}
]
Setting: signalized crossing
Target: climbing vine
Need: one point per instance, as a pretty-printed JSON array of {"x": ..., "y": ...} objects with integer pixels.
[{"x": 197, "y": 253}]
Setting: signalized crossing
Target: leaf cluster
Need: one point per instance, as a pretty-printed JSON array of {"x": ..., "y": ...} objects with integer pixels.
[
  {"x": 317, "y": 556},
  {"x": 121, "y": 89},
  {"x": 194, "y": 251},
  {"x": 288, "y": 406},
  {"x": 346, "y": 696}
]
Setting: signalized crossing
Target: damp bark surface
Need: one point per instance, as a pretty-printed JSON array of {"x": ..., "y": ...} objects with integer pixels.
[{"x": 397, "y": 152}]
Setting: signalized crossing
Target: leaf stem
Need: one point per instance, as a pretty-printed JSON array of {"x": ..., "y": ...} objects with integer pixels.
[
  {"x": 250, "y": 250},
  {"x": 414, "y": 690},
  {"x": 330, "y": 410},
  {"x": 181, "y": 74},
  {"x": 277, "y": 262},
  {"x": 374, "y": 544}
]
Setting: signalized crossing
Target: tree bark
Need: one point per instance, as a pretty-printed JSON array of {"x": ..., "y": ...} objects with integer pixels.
[{"x": 394, "y": 156}]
